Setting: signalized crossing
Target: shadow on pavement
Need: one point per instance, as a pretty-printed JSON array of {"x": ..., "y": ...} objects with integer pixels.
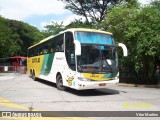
[
  {"x": 90, "y": 92},
  {"x": 93, "y": 92},
  {"x": 46, "y": 82}
]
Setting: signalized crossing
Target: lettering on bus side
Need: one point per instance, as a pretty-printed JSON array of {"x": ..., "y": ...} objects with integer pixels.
[
  {"x": 35, "y": 60},
  {"x": 59, "y": 58}
]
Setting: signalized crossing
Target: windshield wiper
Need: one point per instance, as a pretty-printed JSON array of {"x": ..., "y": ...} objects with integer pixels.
[
  {"x": 103, "y": 59},
  {"x": 109, "y": 66}
]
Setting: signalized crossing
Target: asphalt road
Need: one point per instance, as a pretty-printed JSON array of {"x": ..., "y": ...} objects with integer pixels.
[{"x": 21, "y": 93}]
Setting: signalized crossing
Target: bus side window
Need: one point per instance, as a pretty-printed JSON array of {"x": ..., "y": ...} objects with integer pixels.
[
  {"x": 45, "y": 49},
  {"x": 70, "y": 50},
  {"x": 38, "y": 53},
  {"x": 40, "y": 50},
  {"x": 69, "y": 39},
  {"x": 35, "y": 51},
  {"x": 59, "y": 43},
  {"x": 32, "y": 52},
  {"x": 52, "y": 45},
  {"x": 52, "y": 50},
  {"x": 29, "y": 52}
]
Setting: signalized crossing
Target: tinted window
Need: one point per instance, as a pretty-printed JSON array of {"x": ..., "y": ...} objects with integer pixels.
[
  {"x": 53, "y": 45},
  {"x": 59, "y": 43},
  {"x": 70, "y": 50}
]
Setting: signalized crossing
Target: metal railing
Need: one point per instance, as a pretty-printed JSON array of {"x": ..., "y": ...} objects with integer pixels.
[{"x": 13, "y": 69}]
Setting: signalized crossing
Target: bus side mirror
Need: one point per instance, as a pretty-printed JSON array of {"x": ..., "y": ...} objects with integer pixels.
[
  {"x": 77, "y": 47},
  {"x": 125, "y": 51}
]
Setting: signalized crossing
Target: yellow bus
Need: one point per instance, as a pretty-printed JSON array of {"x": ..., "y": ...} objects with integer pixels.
[{"x": 77, "y": 58}]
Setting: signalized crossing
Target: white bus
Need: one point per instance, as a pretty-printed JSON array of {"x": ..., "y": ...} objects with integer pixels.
[{"x": 76, "y": 58}]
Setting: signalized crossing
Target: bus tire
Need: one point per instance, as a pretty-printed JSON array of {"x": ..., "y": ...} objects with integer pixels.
[
  {"x": 59, "y": 83},
  {"x": 33, "y": 76},
  {"x": 30, "y": 73}
]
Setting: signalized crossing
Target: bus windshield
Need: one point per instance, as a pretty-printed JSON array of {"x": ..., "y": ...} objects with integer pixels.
[
  {"x": 94, "y": 38},
  {"x": 98, "y": 53},
  {"x": 97, "y": 59}
]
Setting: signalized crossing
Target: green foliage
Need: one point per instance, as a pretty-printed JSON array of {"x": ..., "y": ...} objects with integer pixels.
[
  {"x": 8, "y": 45},
  {"x": 92, "y": 10},
  {"x": 139, "y": 28},
  {"x": 79, "y": 24},
  {"x": 16, "y": 37},
  {"x": 53, "y": 29}
]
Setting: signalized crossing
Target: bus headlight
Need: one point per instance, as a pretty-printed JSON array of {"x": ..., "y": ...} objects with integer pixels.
[{"x": 83, "y": 79}]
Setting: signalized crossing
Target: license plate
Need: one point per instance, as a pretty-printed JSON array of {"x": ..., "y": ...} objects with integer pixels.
[{"x": 102, "y": 84}]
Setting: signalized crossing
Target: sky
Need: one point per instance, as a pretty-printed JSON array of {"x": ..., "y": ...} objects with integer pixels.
[{"x": 38, "y": 13}]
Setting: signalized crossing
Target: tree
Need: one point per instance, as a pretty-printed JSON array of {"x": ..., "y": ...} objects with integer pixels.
[
  {"x": 92, "y": 10},
  {"x": 139, "y": 28},
  {"x": 78, "y": 23},
  {"x": 8, "y": 46},
  {"x": 26, "y": 35},
  {"x": 16, "y": 37},
  {"x": 53, "y": 29}
]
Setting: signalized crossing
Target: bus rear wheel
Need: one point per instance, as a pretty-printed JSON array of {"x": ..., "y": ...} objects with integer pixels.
[
  {"x": 33, "y": 75},
  {"x": 59, "y": 83}
]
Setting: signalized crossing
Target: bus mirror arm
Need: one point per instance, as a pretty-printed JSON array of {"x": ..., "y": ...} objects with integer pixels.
[
  {"x": 125, "y": 51},
  {"x": 77, "y": 47}
]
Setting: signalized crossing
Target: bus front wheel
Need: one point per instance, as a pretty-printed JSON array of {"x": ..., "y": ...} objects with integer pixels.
[{"x": 59, "y": 83}]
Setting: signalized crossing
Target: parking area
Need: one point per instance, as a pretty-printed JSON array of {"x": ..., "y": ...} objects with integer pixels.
[{"x": 18, "y": 92}]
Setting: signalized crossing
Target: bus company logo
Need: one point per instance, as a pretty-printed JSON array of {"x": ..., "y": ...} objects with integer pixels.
[
  {"x": 36, "y": 60},
  {"x": 69, "y": 80},
  {"x": 21, "y": 114},
  {"x": 6, "y": 114}
]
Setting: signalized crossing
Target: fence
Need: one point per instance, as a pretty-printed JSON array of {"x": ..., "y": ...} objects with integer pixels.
[{"x": 15, "y": 69}]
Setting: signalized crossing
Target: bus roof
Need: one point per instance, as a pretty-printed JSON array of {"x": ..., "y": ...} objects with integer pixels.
[
  {"x": 86, "y": 30},
  {"x": 71, "y": 30},
  {"x": 41, "y": 41}
]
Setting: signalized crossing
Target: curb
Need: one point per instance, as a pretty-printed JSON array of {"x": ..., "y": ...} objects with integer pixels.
[{"x": 135, "y": 85}]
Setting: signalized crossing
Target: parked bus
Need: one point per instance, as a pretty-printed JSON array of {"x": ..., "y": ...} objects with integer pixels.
[{"x": 76, "y": 58}]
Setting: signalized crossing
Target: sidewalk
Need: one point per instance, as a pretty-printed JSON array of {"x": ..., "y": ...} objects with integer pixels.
[
  {"x": 7, "y": 76},
  {"x": 136, "y": 85}
]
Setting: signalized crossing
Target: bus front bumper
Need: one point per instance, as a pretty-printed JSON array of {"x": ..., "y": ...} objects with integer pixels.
[{"x": 82, "y": 85}]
